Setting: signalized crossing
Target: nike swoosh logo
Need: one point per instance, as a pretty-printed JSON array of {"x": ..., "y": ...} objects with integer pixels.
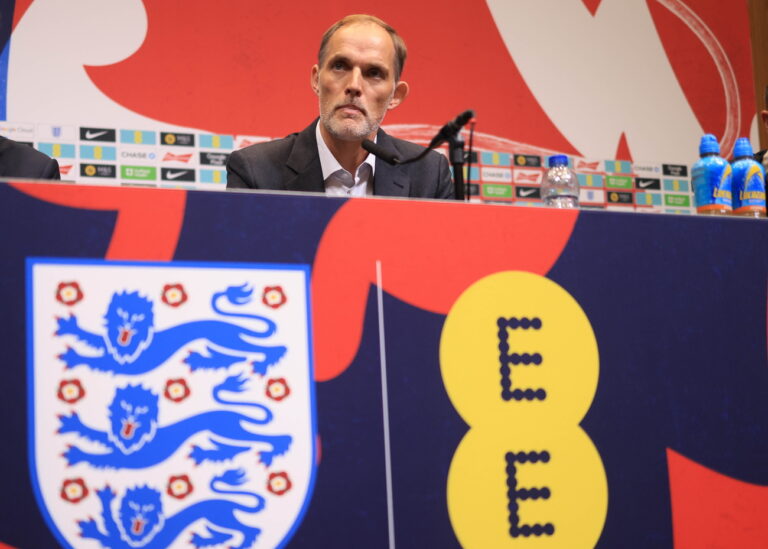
[
  {"x": 527, "y": 192},
  {"x": 174, "y": 175},
  {"x": 644, "y": 184},
  {"x": 93, "y": 135}
]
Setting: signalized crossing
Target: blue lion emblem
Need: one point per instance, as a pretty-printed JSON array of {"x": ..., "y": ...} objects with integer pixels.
[
  {"x": 135, "y": 440},
  {"x": 132, "y": 346},
  {"x": 140, "y": 521}
]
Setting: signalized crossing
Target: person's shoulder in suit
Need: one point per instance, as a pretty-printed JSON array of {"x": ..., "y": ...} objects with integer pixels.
[
  {"x": 432, "y": 172},
  {"x": 259, "y": 166},
  {"x": 20, "y": 160}
]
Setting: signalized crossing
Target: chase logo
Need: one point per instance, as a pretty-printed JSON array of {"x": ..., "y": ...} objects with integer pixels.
[
  {"x": 646, "y": 169},
  {"x": 185, "y": 409},
  {"x": 98, "y": 134},
  {"x": 177, "y": 174},
  {"x": 98, "y": 170},
  {"x": 177, "y": 139},
  {"x": 137, "y": 154}
]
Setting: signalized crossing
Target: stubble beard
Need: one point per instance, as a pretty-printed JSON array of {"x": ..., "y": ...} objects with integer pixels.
[{"x": 348, "y": 129}]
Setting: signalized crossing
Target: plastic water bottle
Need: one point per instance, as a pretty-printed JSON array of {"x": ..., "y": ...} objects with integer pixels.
[
  {"x": 560, "y": 189},
  {"x": 712, "y": 178},
  {"x": 748, "y": 181}
]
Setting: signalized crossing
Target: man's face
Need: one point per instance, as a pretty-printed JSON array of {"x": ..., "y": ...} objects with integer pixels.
[{"x": 356, "y": 82}]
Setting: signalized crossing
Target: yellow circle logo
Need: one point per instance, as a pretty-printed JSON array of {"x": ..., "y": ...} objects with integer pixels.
[
  {"x": 90, "y": 170},
  {"x": 520, "y": 160},
  {"x": 170, "y": 139},
  {"x": 520, "y": 364}
]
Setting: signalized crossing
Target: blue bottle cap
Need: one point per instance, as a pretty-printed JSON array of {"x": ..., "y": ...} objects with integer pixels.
[
  {"x": 743, "y": 148},
  {"x": 558, "y": 160},
  {"x": 709, "y": 145}
]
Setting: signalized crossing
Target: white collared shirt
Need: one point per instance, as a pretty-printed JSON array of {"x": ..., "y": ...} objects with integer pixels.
[{"x": 338, "y": 181}]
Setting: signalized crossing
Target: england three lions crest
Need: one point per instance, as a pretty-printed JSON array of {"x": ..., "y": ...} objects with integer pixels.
[{"x": 170, "y": 405}]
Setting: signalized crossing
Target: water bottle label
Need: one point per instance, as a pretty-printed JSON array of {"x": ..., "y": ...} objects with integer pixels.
[
  {"x": 750, "y": 196},
  {"x": 712, "y": 186}
]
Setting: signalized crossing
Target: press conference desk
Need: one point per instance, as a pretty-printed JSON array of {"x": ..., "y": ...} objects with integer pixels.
[{"x": 414, "y": 374}]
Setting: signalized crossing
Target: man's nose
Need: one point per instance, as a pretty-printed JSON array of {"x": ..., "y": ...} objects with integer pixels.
[{"x": 354, "y": 82}]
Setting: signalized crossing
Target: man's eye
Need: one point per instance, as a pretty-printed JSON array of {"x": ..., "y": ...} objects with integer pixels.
[
  {"x": 375, "y": 73},
  {"x": 338, "y": 65}
]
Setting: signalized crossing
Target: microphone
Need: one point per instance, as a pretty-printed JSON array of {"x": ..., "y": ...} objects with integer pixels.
[
  {"x": 446, "y": 133},
  {"x": 451, "y": 128},
  {"x": 381, "y": 152}
]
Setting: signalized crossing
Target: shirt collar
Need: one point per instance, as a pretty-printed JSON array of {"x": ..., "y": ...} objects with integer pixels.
[{"x": 328, "y": 162}]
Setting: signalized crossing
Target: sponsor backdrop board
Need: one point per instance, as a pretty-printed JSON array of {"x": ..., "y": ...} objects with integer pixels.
[
  {"x": 142, "y": 99},
  {"x": 256, "y": 370}
]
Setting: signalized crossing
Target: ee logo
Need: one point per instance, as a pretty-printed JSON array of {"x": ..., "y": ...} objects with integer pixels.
[{"x": 520, "y": 364}]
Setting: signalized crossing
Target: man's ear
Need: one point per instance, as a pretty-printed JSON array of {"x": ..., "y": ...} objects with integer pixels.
[
  {"x": 401, "y": 92},
  {"x": 314, "y": 79}
]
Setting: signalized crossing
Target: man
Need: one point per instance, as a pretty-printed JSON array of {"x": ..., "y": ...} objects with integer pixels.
[
  {"x": 20, "y": 160},
  {"x": 357, "y": 80}
]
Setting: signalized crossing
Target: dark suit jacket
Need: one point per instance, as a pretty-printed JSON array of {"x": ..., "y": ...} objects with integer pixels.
[
  {"x": 19, "y": 160},
  {"x": 293, "y": 164}
]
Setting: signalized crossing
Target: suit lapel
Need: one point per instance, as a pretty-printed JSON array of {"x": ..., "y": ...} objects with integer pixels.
[
  {"x": 389, "y": 180},
  {"x": 302, "y": 170},
  {"x": 304, "y": 173}
]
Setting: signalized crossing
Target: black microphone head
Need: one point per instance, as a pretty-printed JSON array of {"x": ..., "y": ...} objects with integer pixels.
[{"x": 465, "y": 117}]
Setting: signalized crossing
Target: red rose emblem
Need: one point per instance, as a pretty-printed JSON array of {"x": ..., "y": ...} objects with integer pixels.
[
  {"x": 69, "y": 293},
  {"x": 273, "y": 297},
  {"x": 176, "y": 389},
  {"x": 70, "y": 390},
  {"x": 179, "y": 487},
  {"x": 74, "y": 490},
  {"x": 278, "y": 483},
  {"x": 174, "y": 295},
  {"x": 277, "y": 389}
]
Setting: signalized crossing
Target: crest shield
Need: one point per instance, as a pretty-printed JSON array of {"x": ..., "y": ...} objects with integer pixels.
[{"x": 170, "y": 403}]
